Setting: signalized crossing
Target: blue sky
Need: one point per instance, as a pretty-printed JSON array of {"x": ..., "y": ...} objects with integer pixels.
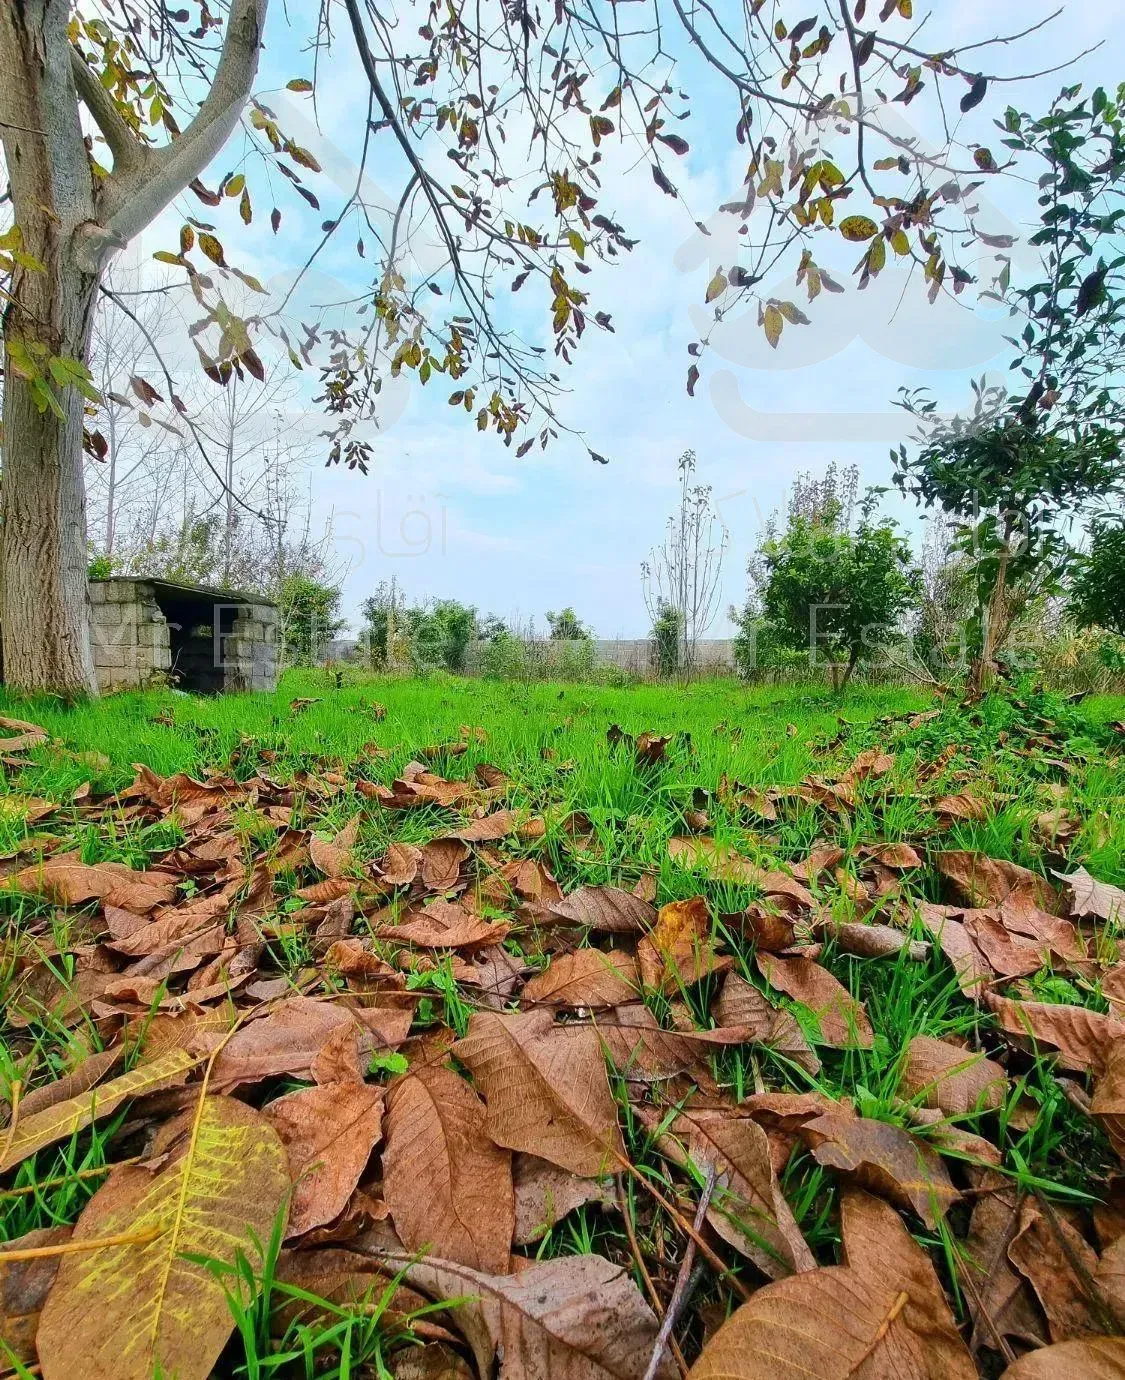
[{"x": 453, "y": 513}]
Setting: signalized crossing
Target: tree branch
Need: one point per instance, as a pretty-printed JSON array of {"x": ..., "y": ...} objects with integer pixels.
[
  {"x": 127, "y": 149},
  {"x": 130, "y": 202}
]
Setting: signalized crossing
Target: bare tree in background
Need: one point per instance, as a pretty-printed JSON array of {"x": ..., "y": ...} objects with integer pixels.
[{"x": 685, "y": 571}]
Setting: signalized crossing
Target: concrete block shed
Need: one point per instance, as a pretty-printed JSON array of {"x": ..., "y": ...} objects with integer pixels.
[{"x": 145, "y": 631}]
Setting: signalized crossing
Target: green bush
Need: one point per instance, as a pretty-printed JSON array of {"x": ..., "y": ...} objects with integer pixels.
[
  {"x": 1098, "y": 594},
  {"x": 667, "y": 632},
  {"x": 308, "y": 611}
]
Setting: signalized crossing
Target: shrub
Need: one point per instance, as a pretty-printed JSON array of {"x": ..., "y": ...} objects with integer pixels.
[
  {"x": 440, "y": 635},
  {"x": 1098, "y": 594},
  {"x": 308, "y": 612},
  {"x": 667, "y": 634},
  {"x": 566, "y": 626}
]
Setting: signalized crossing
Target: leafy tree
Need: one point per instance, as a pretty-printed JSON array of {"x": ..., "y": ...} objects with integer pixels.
[
  {"x": 667, "y": 636},
  {"x": 383, "y": 614},
  {"x": 440, "y": 634},
  {"x": 1020, "y": 468},
  {"x": 308, "y": 612},
  {"x": 566, "y": 626},
  {"x": 450, "y": 108},
  {"x": 1098, "y": 594},
  {"x": 840, "y": 593}
]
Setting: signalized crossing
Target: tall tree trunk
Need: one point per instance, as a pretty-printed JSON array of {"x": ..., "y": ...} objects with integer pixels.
[{"x": 44, "y": 613}]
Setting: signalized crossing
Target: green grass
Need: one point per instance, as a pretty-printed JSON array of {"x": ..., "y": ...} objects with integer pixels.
[{"x": 1022, "y": 756}]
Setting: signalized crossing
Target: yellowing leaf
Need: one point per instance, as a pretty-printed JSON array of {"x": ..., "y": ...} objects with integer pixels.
[
  {"x": 858, "y": 228},
  {"x": 61, "y": 1121},
  {"x": 773, "y": 323},
  {"x": 717, "y": 286},
  {"x": 126, "y": 1312}
]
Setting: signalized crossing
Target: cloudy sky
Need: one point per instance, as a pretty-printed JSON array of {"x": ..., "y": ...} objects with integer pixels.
[{"x": 453, "y": 513}]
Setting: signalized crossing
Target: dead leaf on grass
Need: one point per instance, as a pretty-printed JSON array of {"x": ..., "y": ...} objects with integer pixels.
[
  {"x": 841, "y": 1019},
  {"x": 956, "y": 1081},
  {"x": 605, "y": 908},
  {"x": 587, "y": 977}
]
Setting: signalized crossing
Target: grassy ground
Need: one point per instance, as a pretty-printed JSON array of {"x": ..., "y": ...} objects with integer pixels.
[{"x": 1021, "y": 758}]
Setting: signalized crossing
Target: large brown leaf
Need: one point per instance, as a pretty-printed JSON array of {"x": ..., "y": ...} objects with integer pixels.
[
  {"x": 328, "y": 1132},
  {"x": 999, "y": 1300},
  {"x": 122, "y": 1312},
  {"x": 748, "y": 1209},
  {"x": 878, "y": 1247},
  {"x": 952, "y": 1079},
  {"x": 442, "y": 925},
  {"x": 1108, "y": 1102},
  {"x": 24, "y": 1286},
  {"x": 979, "y": 881},
  {"x": 546, "y": 1089},
  {"x": 884, "y": 1158},
  {"x": 286, "y": 1041},
  {"x": 449, "y": 1188},
  {"x": 1060, "y": 1266},
  {"x": 831, "y": 1324},
  {"x": 69, "y": 882},
  {"x": 575, "y": 1318},
  {"x": 842, "y": 1020},
  {"x": 1093, "y": 900},
  {"x": 335, "y": 858},
  {"x": 1082, "y": 1037},
  {"x": 972, "y": 969},
  {"x": 586, "y": 977},
  {"x": 1094, "y": 1358},
  {"x": 605, "y": 908},
  {"x": 644, "y": 1052}
]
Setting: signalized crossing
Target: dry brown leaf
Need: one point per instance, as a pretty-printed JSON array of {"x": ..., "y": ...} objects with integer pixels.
[
  {"x": 69, "y": 882},
  {"x": 335, "y": 859},
  {"x": 1060, "y": 1267},
  {"x": 972, "y": 969},
  {"x": 834, "y": 1324},
  {"x": 1094, "y": 1358},
  {"x": 999, "y": 1301},
  {"x": 284, "y": 1042},
  {"x": 441, "y": 863},
  {"x": 489, "y": 827},
  {"x": 680, "y": 950},
  {"x": 748, "y": 1209},
  {"x": 1092, "y": 900},
  {"x": 872, "y": 762},
  {"x": 878, "y": 1247},
  {"x": 578, "y": 1317},
  {"x": 885, "y": 1159},
  {"x": 606, "y": 908},
  {"x": 741, "y": 1004},
  {"x": 643, "y": 1052},
  {"x": 1108, "y": 1101},
  {"x": 842, "y": 1020},
  {"x": 962, "y": 806},
  {"x": 442, "y": 925},
  {"x": 449, "y": 1188},
  {"x": 24, "y": 1285},
  {"x": 956, "y": 1081},
  {"x": 434, "y": 1361},
  {"x": 329, "y": 1133},
  {"x": 400, "y": 864},
  {"x": 982, "y": 882},
  {"x": 546, "y": 1089},
  {"x": 1081, "y": 1036},
  {"x": 84, "y": 1076},
  {"x": 586, "y": 978},
  {"x": 874, "y": 940},
  {"x": 545, "y": 1194}
]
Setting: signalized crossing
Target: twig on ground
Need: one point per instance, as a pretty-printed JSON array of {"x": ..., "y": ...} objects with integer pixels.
[{"x": 680, "y": 1293}]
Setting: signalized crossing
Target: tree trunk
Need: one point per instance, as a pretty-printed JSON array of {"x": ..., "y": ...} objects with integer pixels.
[
  {"x": 44, "y": 610},
  {"x": 44, "y": 605}
]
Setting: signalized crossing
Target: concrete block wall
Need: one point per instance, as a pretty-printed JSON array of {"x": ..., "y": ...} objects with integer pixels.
[
  {"x": 250, "y": 649},
  {"x": 129, "y": 636}
]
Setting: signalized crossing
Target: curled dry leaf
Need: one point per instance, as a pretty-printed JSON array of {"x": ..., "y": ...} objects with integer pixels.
[
  {"x": 1082, "y": 1037},
  {"x": 885, "y": 1159},
  {"x": 546, "y": 1089},
  {"x": 842, "y": 1020},
  {"x": 123, "y": 1312},
  {"x": 1092, "y": 900},
  {"x": 1060, "y": 1267},
  {"x": 329, "y": 1133},
  {"x": 449, "y": 1188},
  {"x": 400, "y": 864},
  {"x": 489, "y": 827},
  {"x": 980, "y": 882},
  {"x": 1108, "y": 1102},
  {"x": 747, "y": 1209},
  {"x": 284, "y": 1042},
  {"x": 441, "y": 863},
  {"x": 1093, "y": 1358},
  {"x": 545, "y": 1194},
  {"x": 875, "y": 941},
  {"x": 956, "y": 1081},
  {"x": 434, "y": 1361},
  {"x": 972, "y": 969},
  {"x": 999, "y": 1300},
  {"x": 680, "y": 950},
  {"x": 575, "y": 1318},
  {"x": 442, "y": 925},
  {"x": 740, "y": 1004},
  {"x": 587, "y": 978},
  {"x": 335, "y": 859}
]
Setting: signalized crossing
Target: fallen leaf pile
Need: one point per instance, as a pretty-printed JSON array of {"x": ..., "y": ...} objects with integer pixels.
[{"x": 414, "y": 1065}]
